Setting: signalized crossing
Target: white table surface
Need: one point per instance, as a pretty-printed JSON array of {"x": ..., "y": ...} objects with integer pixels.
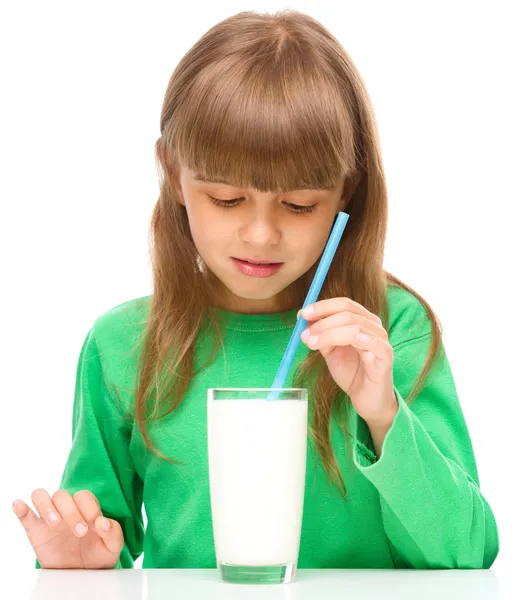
[{"x": 199, "y": 584}]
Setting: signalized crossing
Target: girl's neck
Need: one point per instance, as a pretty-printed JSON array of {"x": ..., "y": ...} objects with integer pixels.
[
  {"x": 250, "y": 306},
  {"x": 282, "y": 302}
]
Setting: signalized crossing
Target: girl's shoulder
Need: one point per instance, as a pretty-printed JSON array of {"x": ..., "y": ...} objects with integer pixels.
[
  {"x": 122, "y": 322},
  {"x": 408, "y": 316},
  {"x": 118, "y": 334}
]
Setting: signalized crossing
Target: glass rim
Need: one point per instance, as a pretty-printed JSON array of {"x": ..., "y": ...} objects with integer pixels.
[
  {"x": 268, "y": 389},
  {"x": 265, "y": 394}
]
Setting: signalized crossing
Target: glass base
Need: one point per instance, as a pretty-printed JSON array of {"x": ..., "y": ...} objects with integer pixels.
[{"x": 257, "y": 575}]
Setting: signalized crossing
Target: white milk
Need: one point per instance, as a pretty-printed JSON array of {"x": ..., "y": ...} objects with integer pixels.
[{"x": 257, "y": 462}]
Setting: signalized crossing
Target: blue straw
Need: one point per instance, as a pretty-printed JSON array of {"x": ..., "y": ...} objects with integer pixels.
[{"x": 314, "y": 291}]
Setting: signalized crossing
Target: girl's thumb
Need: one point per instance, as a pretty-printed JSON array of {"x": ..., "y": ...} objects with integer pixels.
[{"x": 110, "y": 532}]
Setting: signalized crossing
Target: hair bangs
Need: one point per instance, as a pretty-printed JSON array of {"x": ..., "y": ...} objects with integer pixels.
[{"x": 277, "y": 127}]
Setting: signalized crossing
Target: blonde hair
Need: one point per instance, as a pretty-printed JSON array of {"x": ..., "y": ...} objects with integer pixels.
[{"x": 271, "y": 102}]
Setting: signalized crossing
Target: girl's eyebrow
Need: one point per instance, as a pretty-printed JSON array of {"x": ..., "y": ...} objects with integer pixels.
[{"x": 200, "y": 177}]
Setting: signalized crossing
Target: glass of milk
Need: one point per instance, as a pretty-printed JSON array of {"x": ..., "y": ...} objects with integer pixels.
[{"x": 257, "y": 467}]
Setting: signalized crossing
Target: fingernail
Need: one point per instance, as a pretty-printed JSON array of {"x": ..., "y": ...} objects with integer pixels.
[
  {"x": 16, "y": 503},
  {"x": 80, "y": 529},
  {"x": 308, "y": 311},
  {"x": 104, "y": 524},
  {"x": 313, "y": 340},
  {"x": 53, "y": 517},
  {"x": 305, "y": 335}
]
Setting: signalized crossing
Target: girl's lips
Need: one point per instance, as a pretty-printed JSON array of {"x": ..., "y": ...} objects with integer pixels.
[{"x": 252, "y": 270}]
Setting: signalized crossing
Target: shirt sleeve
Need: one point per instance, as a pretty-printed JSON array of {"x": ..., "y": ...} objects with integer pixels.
[
  {"x": 433, "y": 511},
  {"x": 99, "y": 459}
]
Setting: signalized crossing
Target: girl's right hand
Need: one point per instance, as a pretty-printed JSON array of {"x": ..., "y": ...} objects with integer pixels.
[{"x": 70, "y": 532}]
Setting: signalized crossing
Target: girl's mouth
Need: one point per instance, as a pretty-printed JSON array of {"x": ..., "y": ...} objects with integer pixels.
[{"x": 256, "y": 269}]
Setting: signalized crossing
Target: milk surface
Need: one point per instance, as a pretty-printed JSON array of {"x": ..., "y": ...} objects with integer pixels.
[{"x": 257, "y": 465}]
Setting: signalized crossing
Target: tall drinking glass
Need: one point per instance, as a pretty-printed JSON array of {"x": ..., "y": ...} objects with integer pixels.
[{"x": 257, "y": 467}]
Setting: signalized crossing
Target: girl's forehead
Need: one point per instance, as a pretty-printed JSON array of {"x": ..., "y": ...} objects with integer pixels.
[{"x": 197, "y": 176}]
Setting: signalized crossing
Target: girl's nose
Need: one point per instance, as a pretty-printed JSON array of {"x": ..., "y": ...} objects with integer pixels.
[{"x": 260, "y": 231}]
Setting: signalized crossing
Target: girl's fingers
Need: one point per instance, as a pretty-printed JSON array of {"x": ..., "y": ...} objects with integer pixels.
[
  {"x": 326, "y": 351},
  {"x": 346, "y": 318},
  {"x": 88, "y": 505},
  {"x": 110, "y": 532},
  {"x": 376, "y": 347},
  {"x": 45, "y": 507},
  {"x": 330, "y": 306},
  {"x": 340, "y": 336},
  {"x": 348, "y": 336},
  {"x": 70, "y": 512},
  {"x": 25, "y": 515}
]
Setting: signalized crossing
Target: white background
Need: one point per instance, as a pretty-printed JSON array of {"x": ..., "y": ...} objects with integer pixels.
[{"x": 82, "y": 88}]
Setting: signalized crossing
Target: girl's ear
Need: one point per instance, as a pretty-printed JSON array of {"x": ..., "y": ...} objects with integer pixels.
[
  {"x": 350, "y": 185},
  {"x": 173, "y": 172},
  {"x": 174, "y": 175}
]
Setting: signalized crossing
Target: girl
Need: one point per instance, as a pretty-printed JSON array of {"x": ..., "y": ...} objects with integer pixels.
[{"x": 267, "y": 132}]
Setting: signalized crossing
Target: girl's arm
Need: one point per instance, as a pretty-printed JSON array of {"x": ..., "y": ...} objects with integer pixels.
[
  {"x": 99, "y": 459},
  {"x": 433, "y": 511}
]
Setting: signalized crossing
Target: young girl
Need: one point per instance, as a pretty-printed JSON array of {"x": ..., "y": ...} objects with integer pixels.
[{"x": 267, "y": 132}]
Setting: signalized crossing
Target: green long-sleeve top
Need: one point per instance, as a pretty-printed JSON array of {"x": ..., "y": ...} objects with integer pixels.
[{"x": 418, "y": 506}]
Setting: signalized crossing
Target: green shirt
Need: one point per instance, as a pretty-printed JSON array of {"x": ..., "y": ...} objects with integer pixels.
[{"x": 418, "y": 506}]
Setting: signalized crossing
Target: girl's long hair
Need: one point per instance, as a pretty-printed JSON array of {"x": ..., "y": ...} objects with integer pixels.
[{"x": 271, "y": 102}]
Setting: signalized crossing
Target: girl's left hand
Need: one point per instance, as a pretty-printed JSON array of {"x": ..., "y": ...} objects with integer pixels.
[{"x": 362, "y": 368}]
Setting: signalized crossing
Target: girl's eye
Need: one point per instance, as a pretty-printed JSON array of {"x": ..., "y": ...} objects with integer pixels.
[
  {"x": 301, "y": 209},
  {"x": 224, "y": 203},
  {"x": 231, "y": 203}
]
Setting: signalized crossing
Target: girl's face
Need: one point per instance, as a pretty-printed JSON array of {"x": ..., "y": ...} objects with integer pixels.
[{"x": 229, "y": 223}]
